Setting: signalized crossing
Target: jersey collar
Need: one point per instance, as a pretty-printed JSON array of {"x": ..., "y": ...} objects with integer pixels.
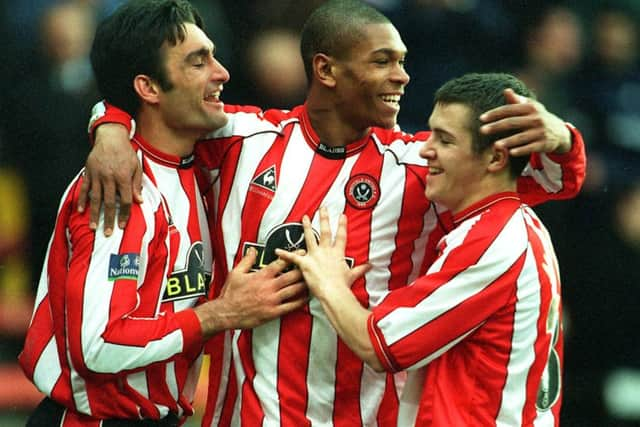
[
  {"x": 161, "y": 157},
  {"x": 481, "y": 205},
  {"x": 323, "y": 149}
]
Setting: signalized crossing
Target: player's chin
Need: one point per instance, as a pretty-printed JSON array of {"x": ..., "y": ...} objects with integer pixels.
[{"x": 387, "y": 122}]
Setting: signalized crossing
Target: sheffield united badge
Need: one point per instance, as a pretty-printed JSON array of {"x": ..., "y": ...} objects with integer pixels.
[{"x": 362, "y": 191}]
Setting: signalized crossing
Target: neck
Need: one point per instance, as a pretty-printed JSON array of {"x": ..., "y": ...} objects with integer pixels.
[
  {"x": 490, "y": 185},
  {"x": 170, "y": 140},
  {"x": 333, "y": 128}
]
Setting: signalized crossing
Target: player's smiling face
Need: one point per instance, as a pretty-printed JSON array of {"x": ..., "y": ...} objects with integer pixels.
[
  {"x": 197, "y": 78},
  {"x": 371, "y": 79},
  {"x": 455, "y": 169}
]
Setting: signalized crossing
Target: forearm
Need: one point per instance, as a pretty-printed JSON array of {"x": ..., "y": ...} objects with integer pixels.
[
  {"x": 349, "y": 319},
  {"x": 216, "y": 316}
]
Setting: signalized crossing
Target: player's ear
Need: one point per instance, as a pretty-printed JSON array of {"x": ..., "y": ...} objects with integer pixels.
[
  {"x": 499, "y": 159},
  {"x": 146, "y": 88},
  {"x": 324, "y": 69}
]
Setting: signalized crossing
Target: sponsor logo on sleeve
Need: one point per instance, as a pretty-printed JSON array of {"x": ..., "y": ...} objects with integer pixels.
[{"x": 124, "y": 266}]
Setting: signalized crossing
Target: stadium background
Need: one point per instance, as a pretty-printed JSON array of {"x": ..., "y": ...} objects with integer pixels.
[{"x": 581, "y": 58}]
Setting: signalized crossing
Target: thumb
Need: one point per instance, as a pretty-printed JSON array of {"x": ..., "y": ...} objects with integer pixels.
[{"x": 359, "y": 271}]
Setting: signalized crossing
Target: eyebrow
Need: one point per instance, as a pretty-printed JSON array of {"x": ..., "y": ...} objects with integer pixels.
[
  {"x": 442, "y": 131},
  {"x": 200, "y": 53},
  {"x": 389, "y": 52}
]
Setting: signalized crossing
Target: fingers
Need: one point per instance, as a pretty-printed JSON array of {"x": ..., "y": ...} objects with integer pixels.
[
  {"x": 288, "y": 257},
  {"x": 341, "y": 234},
  {"x": 109, "y": 196},
  {"x": 125, "y": 203},
  {"x": 277, "y": 266},
  {"x": 325, "y": 228},
  {"x": 289, "y": 306},
  {"x": 289, "y": 277},
  {"x": 247, "y": 261},
  {"x": 513, "y": 98},
  {"x": 525, "y": 142},
  {"x": 83, "y": 196},
  {"x": 293, "y": 290},
  {"x": 137, "y": 183},
  {"x": 309, "y": 236},
  {"x": 358, "y": 271},
  {"x": 95, "y": 197}
]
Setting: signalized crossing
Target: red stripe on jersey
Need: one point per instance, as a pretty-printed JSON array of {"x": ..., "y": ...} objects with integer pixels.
[
  {"x": 232, "y": 151},
  {"x": 38, "y": 338},
  {"x": 232, "y": 394},
  {"x": 251, "y": 413},
  {"x": 187, "y": 180},
  {"x": 257, "y": 201},
  {"x": 410, "y": 225},
  {"x": 349, "y": 367},
  {"x": 388, "y": 410},
  {"x": 295, "y": 328}
]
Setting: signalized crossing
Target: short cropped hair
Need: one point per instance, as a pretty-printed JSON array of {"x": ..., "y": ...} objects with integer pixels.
[
  {"x": 129, "y": 41},
  {"x": 333, "y": 29},
  {"x": 483, "y": 92}
]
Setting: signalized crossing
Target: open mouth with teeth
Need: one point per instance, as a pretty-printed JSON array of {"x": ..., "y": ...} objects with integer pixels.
[
  {"x": 435, "y": 171},
  {"x": 392, "y": 100},
  {"x": 213, "y": 97}
]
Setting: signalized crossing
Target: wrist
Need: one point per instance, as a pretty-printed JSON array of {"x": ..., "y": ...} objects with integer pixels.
[{"x": 566, "y": 141}]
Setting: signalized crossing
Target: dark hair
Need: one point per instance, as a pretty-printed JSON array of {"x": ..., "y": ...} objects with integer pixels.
[
  {"x": 483, "y": 92},
  {"x": 129, "y": 41},
  {"x": 333, "y": 29}
]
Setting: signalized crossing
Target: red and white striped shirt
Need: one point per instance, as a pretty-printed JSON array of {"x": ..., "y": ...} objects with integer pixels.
[
  {"x": 267, "y": 170},
  {"x": 480, "y": 333},
  {"x": 112, "y": 333}
]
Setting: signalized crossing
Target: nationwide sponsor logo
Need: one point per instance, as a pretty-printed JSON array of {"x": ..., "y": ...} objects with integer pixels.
[
  {"x": 124, "y": 266},
  {"x": 193, "y": 280},
  {"x": 362, "y": 191},
  {"x": 288, "y": 236}
]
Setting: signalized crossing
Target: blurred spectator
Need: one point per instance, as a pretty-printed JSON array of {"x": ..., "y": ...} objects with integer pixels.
[
  {"x": 610, "y": 95},
  {"x": 275, "y": 70},
  {"x": 49, "y": 106},
  {"x": 601, "y": 290},
  {"x": 552, "y": 51}
]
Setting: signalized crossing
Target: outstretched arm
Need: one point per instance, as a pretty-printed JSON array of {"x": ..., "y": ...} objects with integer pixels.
[{"x": 329, "y": 279}]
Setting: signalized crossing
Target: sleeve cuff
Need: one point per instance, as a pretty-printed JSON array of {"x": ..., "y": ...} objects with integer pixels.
[
  {"x": 103, "y": 112},
  {"x": 380, "y": 346},
  {"x": 191, "y": 332}
]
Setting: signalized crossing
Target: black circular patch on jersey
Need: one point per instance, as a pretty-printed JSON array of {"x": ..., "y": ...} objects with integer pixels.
[{"x": 362, "y": 191}]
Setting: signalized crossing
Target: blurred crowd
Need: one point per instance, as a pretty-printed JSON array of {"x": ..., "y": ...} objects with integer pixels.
[{"x": 582, "y": 61}]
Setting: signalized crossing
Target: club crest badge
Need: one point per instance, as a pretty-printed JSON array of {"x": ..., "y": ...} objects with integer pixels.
[{"x": 362, "y": 191}]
